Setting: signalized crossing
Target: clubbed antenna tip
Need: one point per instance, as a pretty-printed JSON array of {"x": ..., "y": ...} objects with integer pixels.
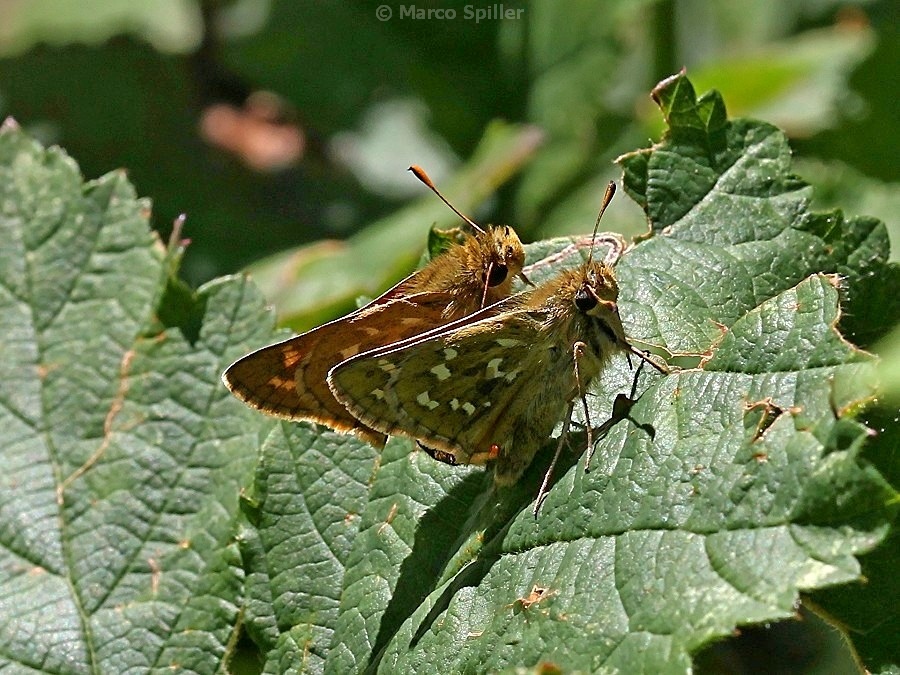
[{"x": 419, "y": 173}]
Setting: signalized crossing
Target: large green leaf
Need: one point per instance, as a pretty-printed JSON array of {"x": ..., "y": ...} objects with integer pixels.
[
  {"x": 733, "y": 486},
  {"x": 122, "y": 457}
]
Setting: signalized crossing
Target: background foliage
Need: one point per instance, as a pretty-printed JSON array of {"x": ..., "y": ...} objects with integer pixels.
[{"x": 122, "y": 85}]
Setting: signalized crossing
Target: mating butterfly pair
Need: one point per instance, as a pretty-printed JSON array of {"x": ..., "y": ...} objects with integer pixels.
[{"x": 448, "y": 357}]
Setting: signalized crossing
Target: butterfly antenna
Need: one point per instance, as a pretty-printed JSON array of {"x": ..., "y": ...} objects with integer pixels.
[
  {"x": 607, "y": 198},
  {"x": 419, "y": 173}
]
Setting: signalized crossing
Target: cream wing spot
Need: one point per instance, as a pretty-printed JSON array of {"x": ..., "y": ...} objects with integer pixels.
[
  {"x": 508, "y": 342},
  {"x": 454, "y": 404},
  {"x": 424, "y": 400},
  {"x": 411, "y": 321},
  {"x": 347, "y": 352},
  {"x": 450, "y": 353},
  {"x": 492, "y": 371},
  {"x": 378, "y": 394},
  {"x": 441, "y": 371},
  {"x": 468, "y": 408}
]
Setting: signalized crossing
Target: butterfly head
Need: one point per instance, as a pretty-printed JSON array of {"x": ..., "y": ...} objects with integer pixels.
[
  {"x": 497, "y": 251},
  {"x": 506, "y": 256},
  {"x": 595, "y": 297}
]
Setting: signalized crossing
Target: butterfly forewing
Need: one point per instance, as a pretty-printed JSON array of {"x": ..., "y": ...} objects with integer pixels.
[
  {"x": 487, "y": 388},
  {"x": 424, "y": 389}
]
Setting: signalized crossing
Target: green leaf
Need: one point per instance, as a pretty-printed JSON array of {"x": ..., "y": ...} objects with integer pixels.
[
  {"x": 122, "y": 457},
  {"x": 724, "y": 201},
  {"x": 310, "y": 489},
  {"x": 691, "y": 524},
  {"x": 729, "y": 490},
  {"x": 732, "y": 487}
]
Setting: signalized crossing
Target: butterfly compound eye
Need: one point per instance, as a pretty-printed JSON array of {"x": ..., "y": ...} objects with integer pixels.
[
  {"x": 585, "y": 301},
  {"x": 497, "y": 274}
]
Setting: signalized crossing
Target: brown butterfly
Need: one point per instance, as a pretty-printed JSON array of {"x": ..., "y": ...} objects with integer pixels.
[
  {"x": 287, "y": 379},
  {"x": 491, "y": 387}
]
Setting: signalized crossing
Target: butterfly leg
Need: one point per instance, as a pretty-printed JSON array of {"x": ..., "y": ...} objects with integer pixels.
[
  {"x": 542, "y": 492},
  {"x": 578, "y": 350},
  {"x": 621, "y": 409},
  {"x": 645, "y": 358}
]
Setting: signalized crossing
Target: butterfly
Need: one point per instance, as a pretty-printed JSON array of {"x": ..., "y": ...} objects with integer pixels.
[
  {"x": 287, "y": 379},
  {"x": 490, "y": 388}
]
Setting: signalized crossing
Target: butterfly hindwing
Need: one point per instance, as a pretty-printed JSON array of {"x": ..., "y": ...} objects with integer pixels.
[{"x": 456, "y": 390}]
